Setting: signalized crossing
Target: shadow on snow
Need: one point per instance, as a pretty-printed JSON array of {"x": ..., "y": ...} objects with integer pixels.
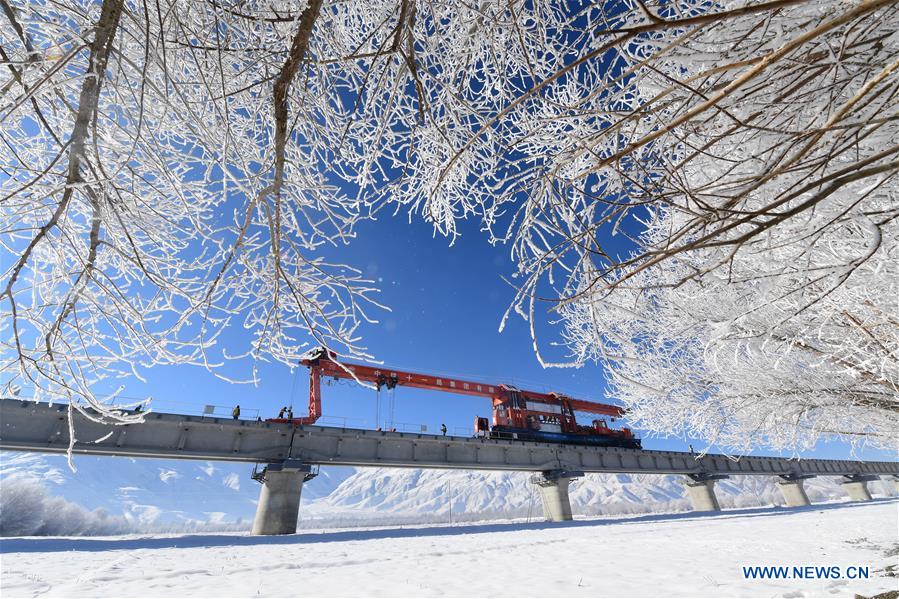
[{"x": 55, "y": 544}]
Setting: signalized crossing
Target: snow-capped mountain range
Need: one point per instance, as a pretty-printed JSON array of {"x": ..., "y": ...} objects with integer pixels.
[{"x": 149, "y": 492}]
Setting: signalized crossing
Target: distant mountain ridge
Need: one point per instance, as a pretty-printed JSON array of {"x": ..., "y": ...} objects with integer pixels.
[
  {"x": 147, "y": 491},
  {"x": 479, "y": 494}
]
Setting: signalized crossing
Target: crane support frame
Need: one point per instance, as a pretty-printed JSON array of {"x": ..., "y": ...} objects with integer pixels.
[{"x": 323, "y": 363}]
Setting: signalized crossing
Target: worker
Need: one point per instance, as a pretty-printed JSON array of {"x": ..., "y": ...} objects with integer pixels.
[
  {"x": 139, "y": 408},
  {"x": 443, "y": 429},
  {"x": 235, "y": 413},
  {"x": 691, "y": 450},
  {"x": 290, "y": 413},
  {"x": 281, "y": 412}
]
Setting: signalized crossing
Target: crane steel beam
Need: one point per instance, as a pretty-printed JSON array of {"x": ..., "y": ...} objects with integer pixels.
[
  {"x": 28, "y": 426},
  {"x": 322, "y": 364}
]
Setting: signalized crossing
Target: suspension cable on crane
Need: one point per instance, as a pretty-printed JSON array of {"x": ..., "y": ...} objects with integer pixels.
[
  {"x": 392, "y": 408},
  {"x": 293, "y": 387},
  {"x": 378, "y": 408}
]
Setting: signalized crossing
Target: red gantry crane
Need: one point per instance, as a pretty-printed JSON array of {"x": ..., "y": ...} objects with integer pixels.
[{"x": 517, "y": 413}]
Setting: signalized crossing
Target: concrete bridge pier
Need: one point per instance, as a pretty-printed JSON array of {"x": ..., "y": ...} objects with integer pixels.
[
  {"x": 792, "y": 487},
  {"x": 856, "y": 486},
  {"x": 553, "y": 487},
  {"x": 279, "y": 499},
  {"x": 701, "y": 489}
]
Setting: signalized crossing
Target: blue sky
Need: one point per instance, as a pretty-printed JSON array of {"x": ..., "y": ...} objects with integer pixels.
[{"x": 447, "y": 303}]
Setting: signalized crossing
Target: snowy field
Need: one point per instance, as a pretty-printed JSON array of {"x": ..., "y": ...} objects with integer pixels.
[{"x": 638, "y": 556}]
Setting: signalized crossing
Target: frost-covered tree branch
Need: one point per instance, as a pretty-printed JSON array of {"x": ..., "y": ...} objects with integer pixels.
[
  {"x": 165, "y": 177},
  {"x": 172, "y": 169},
  {"x": 727, "y": 242}
]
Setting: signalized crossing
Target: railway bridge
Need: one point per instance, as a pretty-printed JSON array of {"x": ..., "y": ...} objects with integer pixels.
[{"x": 291, "y": 455}]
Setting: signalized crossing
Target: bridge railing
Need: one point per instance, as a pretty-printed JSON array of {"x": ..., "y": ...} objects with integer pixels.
[
  {"x": 248, "y": 412},
  {"x": 219, "y": 411},
  {"x": 342, "y": 422},
  {"x": 410, "y": 427},
  {"x": 129, "y": 404}
]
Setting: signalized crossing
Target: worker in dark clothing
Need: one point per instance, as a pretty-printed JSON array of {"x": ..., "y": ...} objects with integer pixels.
[
  {"x": 290, "y": 413},
  {"x": 443, "y": 429},
  {"x": 139, "y": 408},
  {"x": 282, "y": 411},
  {"x": 235, "y": 413}
]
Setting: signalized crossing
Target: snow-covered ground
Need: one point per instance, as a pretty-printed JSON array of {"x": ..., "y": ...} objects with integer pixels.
[{"x": 639, "y": 556}]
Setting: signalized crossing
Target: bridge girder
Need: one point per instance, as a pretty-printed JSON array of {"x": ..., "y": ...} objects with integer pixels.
[{"x": 28, "y": 426}]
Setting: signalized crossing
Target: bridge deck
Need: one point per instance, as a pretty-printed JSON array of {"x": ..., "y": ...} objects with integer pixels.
[{"x": 27, "y": 426}]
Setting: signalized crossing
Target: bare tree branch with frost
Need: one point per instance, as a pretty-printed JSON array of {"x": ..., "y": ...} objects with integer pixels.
[
  {"x": 172, "y": 169},
  {"x": 168, "y": 173},
  {"x": 757, "y": 303}
]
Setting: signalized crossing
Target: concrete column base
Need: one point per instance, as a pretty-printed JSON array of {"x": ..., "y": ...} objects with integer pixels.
[
  {"x": 279, "y": 500},
  {"x": 888, "y": 486},
  {"x": 553, "y": 487},
  {"x": 702, "y": 494},
  {"x": 857, "y": 487},
  {"x": 793, "y": 491}
]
